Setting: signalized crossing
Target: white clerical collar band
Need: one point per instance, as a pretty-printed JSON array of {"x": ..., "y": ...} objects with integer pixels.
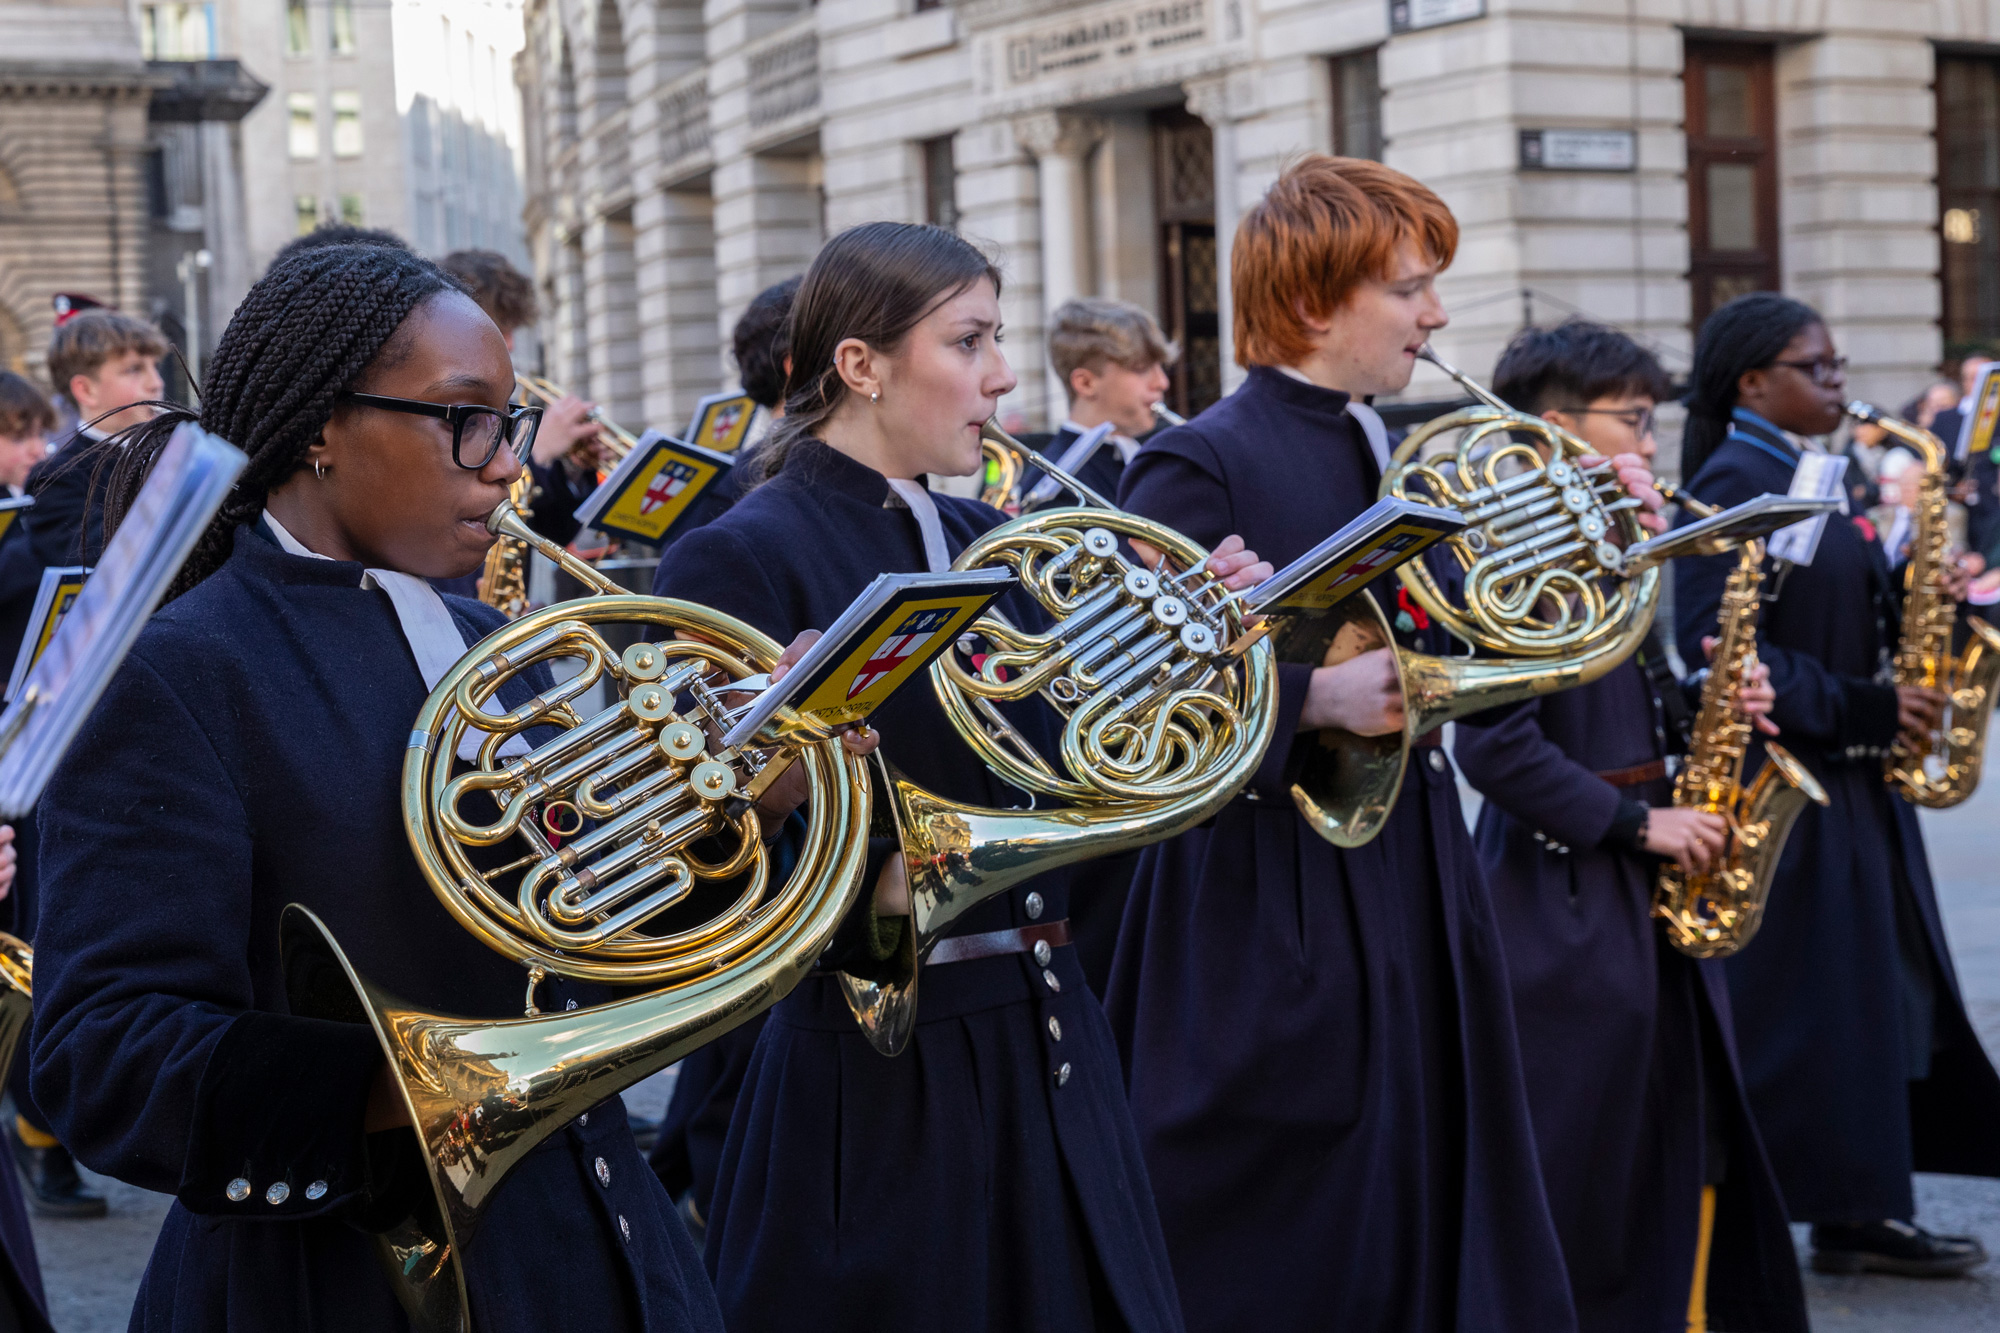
[
  {"x": 1126, "y": 446},
  {"x": 426, "y": 624},
  {"x": 917, "y": 499}
]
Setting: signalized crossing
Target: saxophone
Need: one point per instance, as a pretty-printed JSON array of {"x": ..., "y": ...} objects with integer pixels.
[
  {"x": 1947, "y": 771},
  {"x": 1714, "y": 913},
  {"x": 503, "y": 583}
]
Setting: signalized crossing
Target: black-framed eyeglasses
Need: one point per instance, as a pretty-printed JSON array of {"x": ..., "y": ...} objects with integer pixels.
[
  {"x": 1639, "y": 420},
  {"x": 1826, "y": 372},
  {"x": 477, "y": 431}
]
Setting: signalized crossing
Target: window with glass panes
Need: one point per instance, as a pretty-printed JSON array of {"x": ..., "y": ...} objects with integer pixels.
[
  {"x": 1732, "y": 164},
  {"x": 298, "y": 29},
  {"x": 940, "y": 182},
  {"x": 1357, "y": 104},
  {"x": 340, "y": 27},
  {"x": 177, "y": 31},
  {"x": 1968, "y": 158},
  {"x": 304, "y": 126},
  {"x": 347, "y": 124}
]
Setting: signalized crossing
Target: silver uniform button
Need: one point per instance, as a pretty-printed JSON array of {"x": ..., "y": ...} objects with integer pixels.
[
  {"x": 1055, "y": 983},
  {"x": 603, "y": 1172},
  {"x": 1437, "y": 760},
  {"x": 238, "y": 1190},
  {"x": 1055, "y": 1027},
  {"x": 583, "y": 1119},
  {"x": 1062, "y": 1074},
  {"x": 1034, "y": 906},
  {"x": 1043, "y": 952},
  {"x": 568, "y": 1005},
  {"x": 625, "y": 1227},
  {"x": 316, "y": 1190},
  {"x": 277, "y": 1194}
]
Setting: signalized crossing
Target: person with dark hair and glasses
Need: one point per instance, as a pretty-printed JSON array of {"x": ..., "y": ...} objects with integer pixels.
[
  {"x": 248, "y": 755},
  {"x": 1648, "y": 1149},
  {"x": 1859, "y": 1059}
]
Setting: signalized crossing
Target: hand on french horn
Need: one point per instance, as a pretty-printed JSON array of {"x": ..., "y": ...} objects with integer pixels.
[
  {"x": 1235, "y": 564},
  {"x": 788, "y": 793},
  {"x": 1363, "y": 695},
  {"x": 567, "y": 428},
  {"x": 1637, "y": 480}
]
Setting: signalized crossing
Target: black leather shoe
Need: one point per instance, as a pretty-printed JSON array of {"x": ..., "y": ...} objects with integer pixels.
[
  {"x": 1892, "y": 1247},
  {"x": 54, "y": 1187}
]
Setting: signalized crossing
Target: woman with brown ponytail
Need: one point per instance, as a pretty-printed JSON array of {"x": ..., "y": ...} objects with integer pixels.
[
  {"x": 988, "y": 1177},
  {"x": 248, "y": 755}
]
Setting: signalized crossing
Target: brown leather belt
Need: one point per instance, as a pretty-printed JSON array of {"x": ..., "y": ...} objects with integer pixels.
[
  {"x": 1637, "y": 775},
  {"x": 994, "y": 943}
]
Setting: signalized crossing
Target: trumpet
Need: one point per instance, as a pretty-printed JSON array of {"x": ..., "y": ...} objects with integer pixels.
[
  {"x": 1549, "y": 594},
  {"x": 617, "y": 441},
  {"x": 1168, "y": 706}
]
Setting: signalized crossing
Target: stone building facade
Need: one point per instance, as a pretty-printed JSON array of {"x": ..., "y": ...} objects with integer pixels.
[
  {"x": 1636, "y": 160},
  {"x": 74, "y": 88}
]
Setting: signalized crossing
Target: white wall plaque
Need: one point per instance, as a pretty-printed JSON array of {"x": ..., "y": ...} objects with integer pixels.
[
  {"x": 1415, "y": 15},
  {"x": 1579, "y": 150},
  {"x": 1098, "y": 50}
]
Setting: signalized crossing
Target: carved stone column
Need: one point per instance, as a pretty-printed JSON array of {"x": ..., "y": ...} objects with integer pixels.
[
  {"x": 1214, "y": 101},
  {"x": 1060, "y": 142}
]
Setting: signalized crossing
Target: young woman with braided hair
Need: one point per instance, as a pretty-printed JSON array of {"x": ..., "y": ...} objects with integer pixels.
[
  {"x": 1859, "y": 1060},
  {"x": 248, "y": 755}
]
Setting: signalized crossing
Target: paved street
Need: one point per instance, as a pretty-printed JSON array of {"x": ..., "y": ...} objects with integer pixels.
[{"x": 92, "y": 1268}]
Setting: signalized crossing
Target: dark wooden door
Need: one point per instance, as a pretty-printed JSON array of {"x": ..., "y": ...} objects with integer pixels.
[
  {"x": 1968, "y": 141},
  {"x": 1732, "y": 176},
  {"x": 1184, "y": 202}
]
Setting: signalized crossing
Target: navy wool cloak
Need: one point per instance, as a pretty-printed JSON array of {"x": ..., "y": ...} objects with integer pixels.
[
  {"x": 987, "y": 1177},
  {"x": 1626, "y": 1042},
  {"x": 1856, "y": 1050},
  {"x": 248, "y": 755},
  {"x": 1320, "y": 1045}
]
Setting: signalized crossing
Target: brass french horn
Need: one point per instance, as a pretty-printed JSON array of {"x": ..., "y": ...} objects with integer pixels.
[
  {"x": 1168, "y": 703},
  {"x": 1549, "y": 594},
  {"x": 614, "y": 814}
]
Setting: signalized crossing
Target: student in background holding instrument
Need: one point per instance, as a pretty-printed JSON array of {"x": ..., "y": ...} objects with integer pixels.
[
  {"x": 47, "y": 1170},
  {"x": 1113, "y": 362},
  {"x": 987, "y": 1177},
  {"x": 248, "y": 755},
  {"x": 106, "y": 365},
  {"x": 1860, "y": 1063},
  {"x": 1320, "y": 1047},
  {"x": 1632, "y": 1083}
]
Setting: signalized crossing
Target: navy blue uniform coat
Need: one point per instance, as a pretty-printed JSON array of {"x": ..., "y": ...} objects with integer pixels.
[
  {"x": 987, "y": 1177},
  {"x": 1626, "y": 1042},
  {"x": 1320, "y": 1043},
  {"x": 248, "y": 755},
  {"x": 1856, "y": 1050}
]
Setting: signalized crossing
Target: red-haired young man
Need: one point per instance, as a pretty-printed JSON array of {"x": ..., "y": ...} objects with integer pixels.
[{"x": 1321, "y": 1051}]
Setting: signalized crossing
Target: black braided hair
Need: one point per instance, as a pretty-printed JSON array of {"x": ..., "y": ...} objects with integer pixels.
[
  {"x": 1747, "y": 334},
  {"x": 312, "y": 326}
]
